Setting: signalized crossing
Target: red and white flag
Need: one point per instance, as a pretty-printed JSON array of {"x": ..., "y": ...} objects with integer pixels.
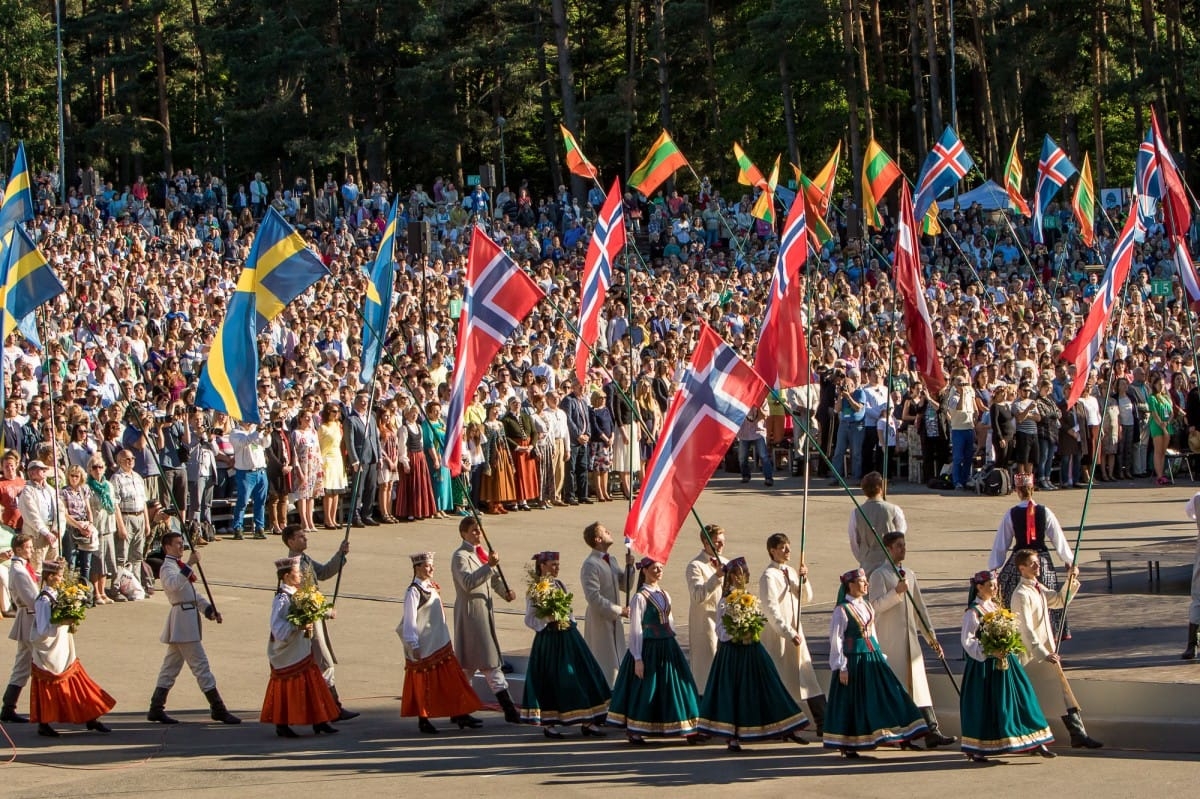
[
  {"x": 716, "y": 393},
  {"x": 917, "y": 324},
  {"x": 608, "y": 239},
  {"x": 499, "y": 295},
  {"x": 781, "y": 358}
]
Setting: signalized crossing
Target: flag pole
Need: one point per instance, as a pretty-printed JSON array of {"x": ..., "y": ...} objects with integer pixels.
[{"x": 1087, "y": 497}]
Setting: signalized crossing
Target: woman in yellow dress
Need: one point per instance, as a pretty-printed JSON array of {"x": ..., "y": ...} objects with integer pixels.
[{"x": 329, "y": 438}]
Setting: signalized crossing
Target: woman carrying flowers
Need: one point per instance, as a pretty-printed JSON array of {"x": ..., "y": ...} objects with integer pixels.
[
  {"x": 744, "y": 698},
  {"x": 61, "y": 689},
  {"x": 563, "y": 683},
  {"x": 867, "y": 704},
  {"x": 998, "y": 707},
  {"x": 296, "y": 692},
  {"x": 654, "y": 693}
]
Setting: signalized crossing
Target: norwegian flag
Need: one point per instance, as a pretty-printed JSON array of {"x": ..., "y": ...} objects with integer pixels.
[
  {"x": 1147, "y": 181},
  {"x": 498, "y": 298},
  {"x": 1177, "y": 214},
  {"x": 917, "y": 323},
  {"x": 1086, "y": 346},
  {"x": 781, "y": 358},
  {"x": 1054, "y": 170},
  {"x": 717, "y": 392},
  {"x": 608, "y": 239},
  {"x": 947, "y": 163}
]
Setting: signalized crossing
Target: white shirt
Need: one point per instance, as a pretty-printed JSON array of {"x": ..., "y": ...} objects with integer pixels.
[
  {"x": 249, "y": 449},
  {"x": 838, "y": 625},
  {"x": 637, "y": 606},
  {"x": 1055, "y": 539}
]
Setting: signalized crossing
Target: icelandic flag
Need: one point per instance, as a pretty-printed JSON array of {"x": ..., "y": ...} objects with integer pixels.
[
  {"x": 1054, "y": 170},
  {"x": 947, "y": 163}
]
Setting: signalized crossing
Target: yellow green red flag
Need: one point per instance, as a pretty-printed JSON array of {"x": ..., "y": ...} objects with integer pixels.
[
  {"x": 658, "y": 165},
  {"x": 577, "y": 162},
  {"x": 1083, "y": 203}
]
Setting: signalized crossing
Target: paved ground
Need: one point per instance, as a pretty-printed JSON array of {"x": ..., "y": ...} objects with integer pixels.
[{"x": 1133, "y": 634}]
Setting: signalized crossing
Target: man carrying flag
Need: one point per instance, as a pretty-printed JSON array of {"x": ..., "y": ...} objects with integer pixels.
[
  {"x": 608, "y": 240},
  {"x": 1054, "y": 170},
  {"x": 717, "y": 392}
]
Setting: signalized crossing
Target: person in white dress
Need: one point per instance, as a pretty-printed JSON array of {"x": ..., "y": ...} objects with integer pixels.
[{"x": 783, "y": 589}]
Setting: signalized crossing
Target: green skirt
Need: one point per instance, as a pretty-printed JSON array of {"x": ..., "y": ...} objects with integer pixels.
[
  {"x": 999, "y": 709},
  {"x": 664, "y": 702},
  {"x": 745, "y": 698},
  {"x": 563, "y": 682},
  {"x": 873, "y": 709}
]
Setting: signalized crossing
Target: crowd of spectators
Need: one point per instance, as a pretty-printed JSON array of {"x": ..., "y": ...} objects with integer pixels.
[{"x": 149, "y": 270}]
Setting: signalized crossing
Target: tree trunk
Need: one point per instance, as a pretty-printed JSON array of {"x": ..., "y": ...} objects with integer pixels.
[
  {"x": 550, "y": 141},
  {"x": 862, "y": 67},
  {"x": 881, "y": 73},
  {"x": 1098, "y": 82},
  {"x": 664, "y": 85},
  {"x": 633, "y": 11},
  {"x": 849, "y": 70},
  {"x": 566, "y": 80},
  {"x": 918, "y": 106},
  {"x": 789, "y": 107},
  {"x": 991, "y": 139},
  {"x": 164, "y": 113},
  {"x": 935, "y": 83}
]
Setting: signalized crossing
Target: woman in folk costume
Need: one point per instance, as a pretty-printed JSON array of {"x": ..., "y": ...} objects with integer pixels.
[
  {"x": 522, "y": 437},
  {"x": 415, "y": 498},
  {"x": 744, "y": 698},
  {"x": 433, "y": 432},
  {"x": 867, "y": 704},
  {"x": 1028, "y": 525},
  {"x": 296, "y": 692},
  {"x": 999, "y": 710},
  {"x": 654, "y": 693},
  {"x": 61, "y": 688},
  {"x": 499, "y": 485},
  {"x": 783, "y": 589},
  {"x": 563, "y": 683},
  {"x": 434, "y": 683}
]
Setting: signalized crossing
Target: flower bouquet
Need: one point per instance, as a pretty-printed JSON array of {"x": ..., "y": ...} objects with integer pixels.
[
  {"x": 743, "y": 619},
  {"x": 550, "y": 602},
  {"x": 1000, "y": 636},
  {"x": 309, "y": 605},
  {"x": 70, "y": 606}
]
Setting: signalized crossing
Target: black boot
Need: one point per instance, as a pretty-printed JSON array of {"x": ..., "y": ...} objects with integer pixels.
[
  {"x": 343, "y": 714},
  {"x": 934, "y": 737},
  {"x": 158, "y": 704},
  {"x": 1188, "y": 654},
  {"x": 1079, "y": 737},
  {"x": 96, "y": 725},
  {"x": 324, "y": 727},
  {"x": 219, "y": 711},
  {"x": 816, "y": 708},
  {"x": 511, "y": 715},
  {"x": 47, "y": 731},
  {"x": 9, "y": 712},
  {"x": 284, "y": 731},
  {"x": 466, "y": 721}
]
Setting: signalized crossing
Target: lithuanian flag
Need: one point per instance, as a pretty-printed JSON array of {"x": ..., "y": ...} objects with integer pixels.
[
  {"x": 1013, "y": 175},
  {"x": 577, "y": 162},
  {"x": 1083, "y": 203},
  {"x": 879, "y": 173},
  {"x": 818, "y": 231},
  {"x": 764, "y": 208},
  {"x": 660, "y": 163},
  {"x": 748, "y": 173},
  {"x": 931, "y": 225}
]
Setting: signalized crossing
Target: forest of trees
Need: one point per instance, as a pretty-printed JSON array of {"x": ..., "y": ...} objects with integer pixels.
[{"x": 409, "y": 90}]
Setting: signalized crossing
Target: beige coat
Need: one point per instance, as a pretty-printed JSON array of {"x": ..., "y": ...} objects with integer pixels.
[
  {"x": 24, "y": 593},
  {"x": 704, "y": 588},
  {"x": 183, "y": 622},
  {"x": 896, "y": 629},
  {"x": 1031, "y": 603},
  {"x": 602, "y": 630},
  {"x": 781, "y": 603},
  {"x": 475, "y": 641}
]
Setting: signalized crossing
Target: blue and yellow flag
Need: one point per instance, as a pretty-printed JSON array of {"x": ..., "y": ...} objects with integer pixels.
[
  {"x": 18, "y": 198},
  {"x": 284, "y": 267},
  {"x": 26, "y": 281},
  {"x": 279, "y": 269},
  {"x": 377, "y": 305}
]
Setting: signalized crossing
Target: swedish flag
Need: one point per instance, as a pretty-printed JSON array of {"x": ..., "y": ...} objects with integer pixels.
[
  {"x": 280, "y": 268},
  {"x": 26, "y": 280},
  {"x": 378, "y": 303},
  {"x": 18, "y": 198}
]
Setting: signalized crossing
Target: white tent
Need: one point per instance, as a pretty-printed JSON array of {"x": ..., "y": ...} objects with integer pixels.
[{"x": 990, "y": 196}]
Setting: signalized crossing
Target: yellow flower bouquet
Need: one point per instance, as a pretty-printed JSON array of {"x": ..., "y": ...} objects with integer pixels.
[
  {"x": 309, "y": 605},
  {"x": 550, "y": 602},
  {"x": 70, "y": 606},
  {"x": 743, "y": 618},
  {"x": 1000, "y": 636}
]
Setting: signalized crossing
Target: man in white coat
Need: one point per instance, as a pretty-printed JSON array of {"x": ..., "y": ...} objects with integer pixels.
[
  {"x": 182, "y": 634},
  {"x": 603, "y": 581},
  {"x": 897, "y": 622},
  {"x": 1031, "y": 604},
  {"x": 42, "y": 513},
  {"x": 24, "y": 588},
  {"x": 782, "y": 589},
  {"x": 704, "y": 578}
]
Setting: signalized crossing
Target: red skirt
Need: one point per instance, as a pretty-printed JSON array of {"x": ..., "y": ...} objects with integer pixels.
[
  {"x": 527, "y": 474},
  {"x": 298, "y": 694},
  {"x": 71, "y": 697},
  {"x": 415, "y": 489},
  {"x": 436, "y": 686}
]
